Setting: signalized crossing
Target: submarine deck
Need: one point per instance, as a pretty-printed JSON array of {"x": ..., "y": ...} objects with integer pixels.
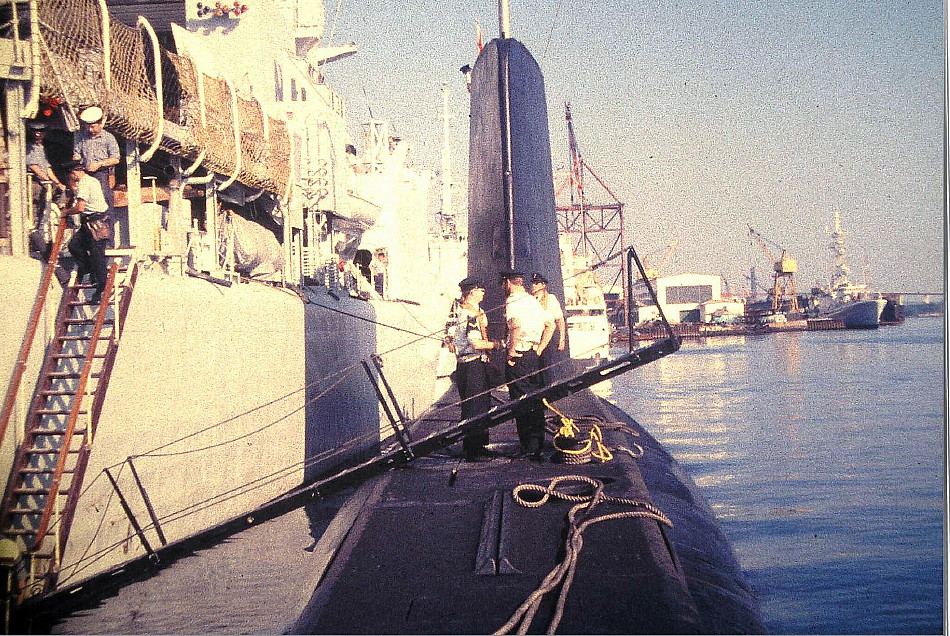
[{"x": 441, "y": 546}]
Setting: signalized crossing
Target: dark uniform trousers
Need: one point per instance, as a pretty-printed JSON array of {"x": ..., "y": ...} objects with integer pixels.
[
  {"x": 89, "y": 255},
  {"x": 529, "y": 417},
  {"x": 472, "y": 380},
  {"x": 102, "y": 176}
]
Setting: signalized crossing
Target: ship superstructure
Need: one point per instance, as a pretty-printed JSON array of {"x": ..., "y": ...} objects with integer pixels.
[
  {"x": 267, "y": 259},
  {"x": 851, "y": 303}
]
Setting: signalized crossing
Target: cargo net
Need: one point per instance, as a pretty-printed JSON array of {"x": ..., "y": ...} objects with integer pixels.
[
  {"x": 182, "y": 106},
  {"x": 73, "y": 54}
]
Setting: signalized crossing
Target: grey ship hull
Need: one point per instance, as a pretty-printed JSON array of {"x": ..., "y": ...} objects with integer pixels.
[{"x": 859, "y": 314}]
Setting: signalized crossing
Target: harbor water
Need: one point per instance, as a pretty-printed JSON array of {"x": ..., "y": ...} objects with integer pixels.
[{"x": 822, "y": 454}]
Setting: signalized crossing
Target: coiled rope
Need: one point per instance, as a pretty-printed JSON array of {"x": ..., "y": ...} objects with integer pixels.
[
  {"x": 579, "y": 519},
  {"x": 575, "y": 451}
]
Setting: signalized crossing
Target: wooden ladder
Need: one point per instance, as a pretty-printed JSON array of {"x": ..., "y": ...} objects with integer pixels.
[{"x": 48, "y": 470}]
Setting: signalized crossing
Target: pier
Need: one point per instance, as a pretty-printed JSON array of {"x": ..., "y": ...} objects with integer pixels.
[{"x": 703, "y": 330}]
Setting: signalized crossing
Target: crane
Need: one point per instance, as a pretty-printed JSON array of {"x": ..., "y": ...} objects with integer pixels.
[
  {"x": 653, "y": 272},
  {"x": 783, "y": 278}
]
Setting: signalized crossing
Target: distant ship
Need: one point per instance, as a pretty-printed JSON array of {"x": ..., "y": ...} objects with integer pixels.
[
  {"x": 585, "y": 309},
  {"x": 850, "y": 303}
]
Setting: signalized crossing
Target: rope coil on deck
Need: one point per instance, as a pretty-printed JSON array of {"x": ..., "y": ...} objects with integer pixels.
[
  {"x": 574, "y": 451},
  {"x": 579, "y": 519}
]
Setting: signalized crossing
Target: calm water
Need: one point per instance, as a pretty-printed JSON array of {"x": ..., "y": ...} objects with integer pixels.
[{"x": 822, "y": 453}]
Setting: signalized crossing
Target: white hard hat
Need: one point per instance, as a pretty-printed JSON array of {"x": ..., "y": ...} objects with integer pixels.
[{"x": 91, "y": 115}]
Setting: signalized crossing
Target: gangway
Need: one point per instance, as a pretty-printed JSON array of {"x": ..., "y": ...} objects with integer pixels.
[{"x": 43, "y": 489}]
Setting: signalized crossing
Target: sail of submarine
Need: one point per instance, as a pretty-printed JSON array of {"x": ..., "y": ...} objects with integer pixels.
[{"x": 512, "y": 217}]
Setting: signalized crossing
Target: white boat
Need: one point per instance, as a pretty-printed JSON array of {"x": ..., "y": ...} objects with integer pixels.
[{"x": 585, "y": 310}]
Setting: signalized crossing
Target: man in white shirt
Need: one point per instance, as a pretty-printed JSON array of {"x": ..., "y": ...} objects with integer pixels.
[
  {"x": 90, "y": 204},
  {"x": 550, "y": 304},
  {"x": 529, "y": 332}
]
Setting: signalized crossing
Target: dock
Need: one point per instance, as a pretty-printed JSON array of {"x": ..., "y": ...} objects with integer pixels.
[{"x": 704, "y": 330}]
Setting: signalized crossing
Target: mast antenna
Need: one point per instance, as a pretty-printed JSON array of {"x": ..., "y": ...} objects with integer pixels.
[
  {"x": 448, "y": 181},
  {"x": 504, "y": 18}
]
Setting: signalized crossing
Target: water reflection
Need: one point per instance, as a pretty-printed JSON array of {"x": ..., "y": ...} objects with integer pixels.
[{"x": 791, "y": 437}]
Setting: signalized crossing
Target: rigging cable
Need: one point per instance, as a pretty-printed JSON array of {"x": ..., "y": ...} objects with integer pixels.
[{"x": 557, "y": 15}]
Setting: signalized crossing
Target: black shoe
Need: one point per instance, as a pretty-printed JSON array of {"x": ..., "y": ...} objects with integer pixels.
[
  {"x": 96, "y": 298},
  {"x": 536, "y": 457},
  {"x": 487, "y": 452}
]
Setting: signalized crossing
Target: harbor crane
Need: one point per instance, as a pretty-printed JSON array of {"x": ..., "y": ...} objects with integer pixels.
[
  {"x": 783, "y": 277},
  {"x": 653, "y": 272}
]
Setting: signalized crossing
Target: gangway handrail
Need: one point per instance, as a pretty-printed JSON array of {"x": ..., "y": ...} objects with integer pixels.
[
  {"x": 84, "y": 375},
  {"x": 61, "y": 599},
  {"x": 38, "y": 303}
]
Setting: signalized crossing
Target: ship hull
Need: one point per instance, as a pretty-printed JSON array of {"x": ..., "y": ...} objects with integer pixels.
[
  {"x": 223, "y": 398},
  {"x": 860, "y": 314}
]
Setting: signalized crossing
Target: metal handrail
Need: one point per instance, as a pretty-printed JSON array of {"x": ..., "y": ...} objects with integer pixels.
[
  {"x": 33, "y": 324},
  {"x": 74, "y": 412},
  {"x": 634, "y": 258}
]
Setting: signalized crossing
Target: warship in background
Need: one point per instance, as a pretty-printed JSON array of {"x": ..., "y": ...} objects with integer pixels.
[{"x": 853, "y": 304}]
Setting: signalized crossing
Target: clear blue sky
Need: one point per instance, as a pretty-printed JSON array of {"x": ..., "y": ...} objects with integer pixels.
[{"x": 704, "y": 116}]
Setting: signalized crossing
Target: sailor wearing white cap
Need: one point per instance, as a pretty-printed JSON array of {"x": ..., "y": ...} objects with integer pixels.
[{"x": 98, "y": 151}]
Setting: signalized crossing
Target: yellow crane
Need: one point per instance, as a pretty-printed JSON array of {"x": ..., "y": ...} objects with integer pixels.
[
  {"x": 653, "y": 272},
  {"x": 783, "y": 278}
]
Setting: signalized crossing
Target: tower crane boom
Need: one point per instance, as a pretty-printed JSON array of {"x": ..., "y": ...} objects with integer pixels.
[{"x": 783, "y": 287}]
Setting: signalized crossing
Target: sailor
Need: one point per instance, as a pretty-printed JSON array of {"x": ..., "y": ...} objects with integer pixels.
[
  {"x": 98, "y": 151},
  {"x": 551, "y": 306},
  {"x": 529, "y": 331},
  {"x": 43, "y": 176},
  {"x": 88, "y": 250},
  {"x": 470, "y": 343}
]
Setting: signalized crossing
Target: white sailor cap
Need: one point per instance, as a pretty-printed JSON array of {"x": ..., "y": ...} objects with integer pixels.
[{"x": 91, "y": 115}]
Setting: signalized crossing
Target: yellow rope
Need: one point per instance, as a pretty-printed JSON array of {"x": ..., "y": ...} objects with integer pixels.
[
  {"x": 601, "y": 452},
  {"x": 568, "y": 428}
]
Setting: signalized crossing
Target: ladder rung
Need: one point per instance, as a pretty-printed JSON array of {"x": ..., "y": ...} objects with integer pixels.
[
  {"x": 37, "y": 491},
  {"x": 20, "y": 531},
  {"x": 26, "y": 511},
  {"x": 86, "y": 321},
  {"x": 42, "y": 471},
  {"x": 52, "y": 392},
  {"x": 76, "y": 356},
  {"x": 47, "y": 451},
  {"x": 78, "y": 431},
  {"x": 84, "y": 303},
  {"x": 67, "y": 375},
  {"x": 58, "y": 412}
]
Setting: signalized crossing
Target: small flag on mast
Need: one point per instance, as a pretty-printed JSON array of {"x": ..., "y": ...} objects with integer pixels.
[{"x": 478, "y": 36}]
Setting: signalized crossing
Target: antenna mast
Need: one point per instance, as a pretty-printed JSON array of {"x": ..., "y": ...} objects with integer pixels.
[
  {"x": 504, "y": 18},
  {"x": 448, "y": 181}
]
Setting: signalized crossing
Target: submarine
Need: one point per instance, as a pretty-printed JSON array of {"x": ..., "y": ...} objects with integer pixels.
[{"x": 620, "y": 546}]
